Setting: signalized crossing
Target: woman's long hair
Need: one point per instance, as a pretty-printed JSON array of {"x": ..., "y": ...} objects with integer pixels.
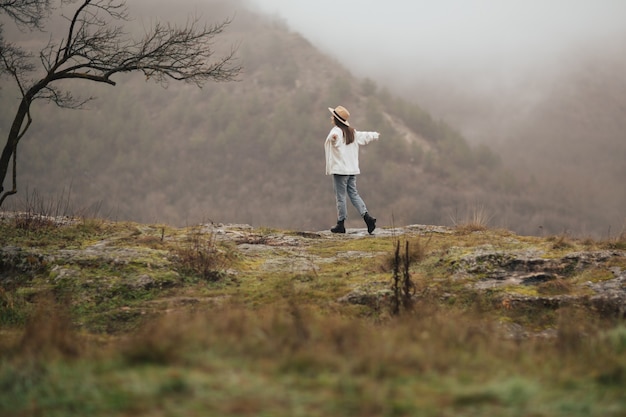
[{"x": 348, "y": 132}]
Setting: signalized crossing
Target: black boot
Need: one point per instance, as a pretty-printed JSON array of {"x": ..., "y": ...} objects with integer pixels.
[
  {"x": 370, "y": 222},
  {"x": 339, "y": 228}
]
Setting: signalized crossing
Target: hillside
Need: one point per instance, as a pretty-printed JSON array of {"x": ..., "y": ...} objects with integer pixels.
[
  {"x": 572, "y": 141},
  {"x": 252, "y": 151},
  {"x": 558, "y": 128},
  {"x": 124, "y": 318}
]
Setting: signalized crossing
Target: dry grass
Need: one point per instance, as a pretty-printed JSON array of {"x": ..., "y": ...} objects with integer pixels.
[
  {"x": 476, "y": 219},
  {"x": 32, "y": 222},
  {"x": 417, "y": 251},
  {"x": 561, "y": 242},
  {"x": 199, "y": 256},
  {"x": 619, "y": 242},
  {"x": 50, "y": 333},
  {"x": 289, "y": 359},
  {"x": 555, "y": 286}
]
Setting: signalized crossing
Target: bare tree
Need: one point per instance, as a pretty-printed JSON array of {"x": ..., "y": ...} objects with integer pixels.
[
  {"x": 29, "y": 13},
  {"x": 96, "y": 48}
]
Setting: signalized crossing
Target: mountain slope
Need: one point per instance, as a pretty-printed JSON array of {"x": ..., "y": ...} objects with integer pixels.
[{"x": 252, "y": 151}]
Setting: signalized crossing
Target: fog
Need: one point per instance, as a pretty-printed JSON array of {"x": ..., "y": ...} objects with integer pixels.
[
  {"x": 407, "y": 39},
  {"x": 457, "y": 58}
]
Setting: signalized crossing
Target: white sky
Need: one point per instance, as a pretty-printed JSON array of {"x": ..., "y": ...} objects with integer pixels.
[{"x": 404, "y": 37}]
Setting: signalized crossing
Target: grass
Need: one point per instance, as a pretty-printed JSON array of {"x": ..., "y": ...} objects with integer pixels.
[
  {"x": 618, "y": 242},
  {"x": 199, "y": 257},
  {"x": 182, "y": 322},
  {"x": 293, "y": 361},
  {"x": 476, "y": 219},
  {"x": 561, "y": 242}
]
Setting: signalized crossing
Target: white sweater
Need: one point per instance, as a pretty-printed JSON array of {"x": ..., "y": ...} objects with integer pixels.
[{"x": 343, "y": 159}]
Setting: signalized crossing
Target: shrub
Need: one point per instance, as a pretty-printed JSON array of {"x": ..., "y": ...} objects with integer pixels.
[{"x": 200, "y": 257}]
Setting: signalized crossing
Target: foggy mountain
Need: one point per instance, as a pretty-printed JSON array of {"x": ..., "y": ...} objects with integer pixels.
[
  {"x": 560, "y": 127},
  {"x": 252, "y": 151}
]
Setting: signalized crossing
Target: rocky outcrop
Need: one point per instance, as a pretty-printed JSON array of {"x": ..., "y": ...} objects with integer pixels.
[
  {"x": 488, "y": 269},
  {"x": 527, "y": 275}
]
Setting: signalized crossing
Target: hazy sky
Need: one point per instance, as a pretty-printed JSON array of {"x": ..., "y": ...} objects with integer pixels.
[{"x": 427, "y": 36}]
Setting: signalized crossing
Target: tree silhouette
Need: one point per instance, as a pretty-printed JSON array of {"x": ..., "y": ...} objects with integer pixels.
[
  {"x": 29, "y": 13},
  {"x": 95, "y": 48}
]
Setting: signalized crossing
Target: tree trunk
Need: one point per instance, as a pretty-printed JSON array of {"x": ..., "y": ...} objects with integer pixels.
[{"x": 12, "y": 140}]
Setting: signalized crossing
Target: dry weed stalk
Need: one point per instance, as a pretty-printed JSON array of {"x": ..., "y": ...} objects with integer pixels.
[{"x": 403, "y": 288}]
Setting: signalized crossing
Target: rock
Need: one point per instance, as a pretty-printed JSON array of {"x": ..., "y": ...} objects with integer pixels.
[
  {"x": 14, "y": 259},
  {"x": 367, "y": 298},
  {"x": 504, "y": 269},
  {"x": 143, "y": 282}
]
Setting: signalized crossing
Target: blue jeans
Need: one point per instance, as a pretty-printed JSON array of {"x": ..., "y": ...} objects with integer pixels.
[{"x": 346, "y": 184}]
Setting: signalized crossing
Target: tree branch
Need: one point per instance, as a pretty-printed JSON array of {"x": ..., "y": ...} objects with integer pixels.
[
  {"x": 29, "y": 13},
  {"x": 95, "y": 50}
]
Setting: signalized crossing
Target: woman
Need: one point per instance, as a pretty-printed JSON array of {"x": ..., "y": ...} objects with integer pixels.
[{"x": 342, "y": 162}]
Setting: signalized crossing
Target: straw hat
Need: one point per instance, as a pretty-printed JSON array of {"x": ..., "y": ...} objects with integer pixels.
[{"x": 341, "y": 114}]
